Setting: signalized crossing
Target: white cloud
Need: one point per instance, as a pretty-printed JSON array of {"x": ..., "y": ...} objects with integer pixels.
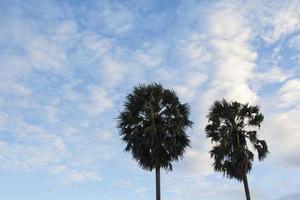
[
  {"x": 44, "y": 54},
  {"x": 92, "y": 67},
  {"x": 95, "y": 42},
  {"x": 272, "y": 20},
  {"x": 97, "y": 45},
  {"x": 57, "y": 169},
  {"x": 234, "y": 56},
  {"x": 289, "y": 93},
  {"x": 199, "y": 163},
  {"x": 290, "y": 197},
  {"x": 273, "y": 75},
  {"x": 117, "y": 18},
  {"x": 31, "y": 147},
  {"x": 281, "y": 130},
  {"x": 18, "y": 89},
  {"x": 189, "y": 84},
  {"x": 75, "y": 176},
  {"x": 294, "y": 42},
  {"x": 114, "y": 71},
  {"x": 114, "y": 18},
  {"x": 98, "y": 101},
  {"x": 51, "y": 112},
  {"x": 104, "y": 135},
  {"x": 149, "y": 55},
  {"x": 2, "y": 120},
  {"x": 193, "y": 50},
  {"x": 286, "y": 20}
]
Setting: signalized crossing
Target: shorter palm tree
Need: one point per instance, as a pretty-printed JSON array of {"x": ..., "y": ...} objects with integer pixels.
[
  {"x": 232, "y": 128},
  {"x": 153, "y": 125}
]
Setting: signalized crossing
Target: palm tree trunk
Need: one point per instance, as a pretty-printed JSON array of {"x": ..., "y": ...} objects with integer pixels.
[
  {"x": 245, "y": 181},
  {"x": 247, "y": 192},
  {"x": 157, "y": 172}
]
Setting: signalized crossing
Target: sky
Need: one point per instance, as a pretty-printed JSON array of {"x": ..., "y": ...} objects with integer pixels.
[{"x": 66, "y": 67}]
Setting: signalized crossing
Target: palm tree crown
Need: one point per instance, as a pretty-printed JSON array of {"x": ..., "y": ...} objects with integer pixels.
[
  {"x": 232, "y": 127},
  {"x": 153, "y": 126}
]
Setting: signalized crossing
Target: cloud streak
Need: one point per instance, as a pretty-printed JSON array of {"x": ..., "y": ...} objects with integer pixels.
[{"x": 66, "y": 67}]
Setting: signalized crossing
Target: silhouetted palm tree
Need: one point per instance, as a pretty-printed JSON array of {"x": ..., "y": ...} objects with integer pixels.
[
  {"x": 232, "y": 128},
  {"x": 153, "y": 125}
]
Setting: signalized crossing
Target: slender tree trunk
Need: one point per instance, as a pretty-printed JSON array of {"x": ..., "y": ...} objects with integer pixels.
[
  {"x": 247, "y": 192},
  {"x": 157, "y": 172},
  {"x": 245, "y": 181}
]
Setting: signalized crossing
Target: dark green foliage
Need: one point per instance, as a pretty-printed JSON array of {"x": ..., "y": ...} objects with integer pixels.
[
  {"x": 232, "y": 127},
  {"x": 153, "y": 125}
]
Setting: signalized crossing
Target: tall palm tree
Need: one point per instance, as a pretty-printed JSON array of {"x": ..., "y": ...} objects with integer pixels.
[
  {"x": 153, "y": 125},
  {"x": 232, "y": 127}
]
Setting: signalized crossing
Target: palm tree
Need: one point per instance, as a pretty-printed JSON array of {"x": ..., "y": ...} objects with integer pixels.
[
  {"x": 232, "y": 127},
  {"x": 153, "y": 125}
]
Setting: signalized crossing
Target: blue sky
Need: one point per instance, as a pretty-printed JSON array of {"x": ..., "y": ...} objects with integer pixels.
[{"x": 66, "y": 66}]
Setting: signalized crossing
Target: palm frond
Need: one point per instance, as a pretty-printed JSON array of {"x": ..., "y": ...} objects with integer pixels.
[
  {"x": 153, "y": 125},
  {"x": 228, "y": 127}
]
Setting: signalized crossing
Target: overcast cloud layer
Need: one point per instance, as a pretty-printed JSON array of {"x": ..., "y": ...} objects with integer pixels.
[{"x": 66, "y": 66}]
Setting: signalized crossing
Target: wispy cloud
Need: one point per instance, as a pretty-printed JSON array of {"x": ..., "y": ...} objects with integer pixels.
[{"x": 66, "y": 67}]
